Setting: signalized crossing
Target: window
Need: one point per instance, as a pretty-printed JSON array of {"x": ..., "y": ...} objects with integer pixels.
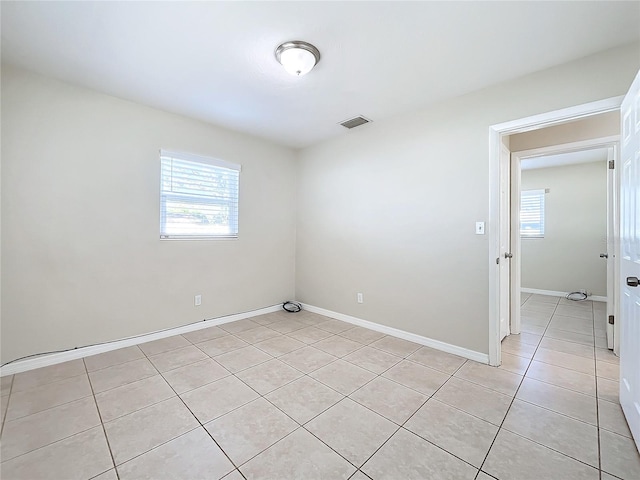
[
  {"x": 532, "y": 214},
  {"x": 198, "y": 196}
]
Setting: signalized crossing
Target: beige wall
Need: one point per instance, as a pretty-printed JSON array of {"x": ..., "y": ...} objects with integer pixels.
[
  {"x": 567, "y": 258},
  {"x": 597, "y": 126},
  {"x": 82, "y": 261},
  {"x": 389, "y": 209}
]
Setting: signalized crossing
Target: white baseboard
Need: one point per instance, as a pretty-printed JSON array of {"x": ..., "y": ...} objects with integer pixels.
[
  {"x": 54, "y": 358},
  {"x": 394, "y": 332},
  {"x": 553, "y": 293}
]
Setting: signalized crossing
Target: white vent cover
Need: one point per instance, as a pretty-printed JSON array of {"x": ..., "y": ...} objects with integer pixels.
[{"x": 355, "y": 122}]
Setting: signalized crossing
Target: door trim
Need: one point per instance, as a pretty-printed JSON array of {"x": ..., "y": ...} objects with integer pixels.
[{"x": 495, "y": 223}]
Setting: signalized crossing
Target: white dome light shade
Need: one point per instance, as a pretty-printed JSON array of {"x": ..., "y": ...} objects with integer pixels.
[
  {"x": 297, "y": 61},
  {"x": 297, "y": 58}
]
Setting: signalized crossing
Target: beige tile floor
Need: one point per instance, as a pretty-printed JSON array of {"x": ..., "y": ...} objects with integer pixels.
[{"x": 302, "y": 396}]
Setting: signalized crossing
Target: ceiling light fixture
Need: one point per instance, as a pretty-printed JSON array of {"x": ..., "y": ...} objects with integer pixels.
[{"x": 297, "y": 58}]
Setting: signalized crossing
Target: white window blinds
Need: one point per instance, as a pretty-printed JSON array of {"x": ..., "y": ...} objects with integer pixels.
[
  {"x": 198, "y": 196},
  {"x": 532, "y": 214}
]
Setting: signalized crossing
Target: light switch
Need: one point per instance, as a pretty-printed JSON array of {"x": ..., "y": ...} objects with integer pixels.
[{"x": 479, "y": 228}]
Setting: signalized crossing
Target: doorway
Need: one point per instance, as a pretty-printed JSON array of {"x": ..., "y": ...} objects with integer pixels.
[
  {"x": 500, "y": 218},
  {"x": 620, "y": 383},
  {"x": 563, "y": 263}
]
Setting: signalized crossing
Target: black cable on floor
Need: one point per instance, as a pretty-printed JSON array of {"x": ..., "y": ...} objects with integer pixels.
[
  {"x": 583, "y": 294},
  {"x": 291, "y": 307}
]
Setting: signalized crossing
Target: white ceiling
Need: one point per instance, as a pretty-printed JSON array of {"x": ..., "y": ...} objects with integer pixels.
[
  {"x": 214, "y": 61},
  {"x": 571, "y": 158}
]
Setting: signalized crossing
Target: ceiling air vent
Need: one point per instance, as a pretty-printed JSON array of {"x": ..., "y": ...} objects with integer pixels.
[{"x": 355, "y": 122}]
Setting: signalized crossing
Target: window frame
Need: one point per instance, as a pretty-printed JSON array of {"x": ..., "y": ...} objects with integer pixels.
[{"x": 234, "y": 206}]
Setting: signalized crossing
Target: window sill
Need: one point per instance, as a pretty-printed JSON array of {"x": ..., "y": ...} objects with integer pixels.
[{"x": 178, "y": 237}]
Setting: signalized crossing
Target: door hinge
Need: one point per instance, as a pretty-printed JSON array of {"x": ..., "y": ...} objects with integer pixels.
[
  {"x": 612, "y": 164},
  {"x": 612, "y": 320}
]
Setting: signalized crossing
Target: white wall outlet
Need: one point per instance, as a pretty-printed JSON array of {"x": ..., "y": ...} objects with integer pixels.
[
  {"x": 197, "y": 300},
  {"x": 479, "y": 228},
  {"x": 360, "y": 298}
]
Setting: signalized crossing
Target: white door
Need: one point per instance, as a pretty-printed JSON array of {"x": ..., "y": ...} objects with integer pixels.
[
  {"x": 505, "y": 263},
  {"x": 630, "y": 259}
]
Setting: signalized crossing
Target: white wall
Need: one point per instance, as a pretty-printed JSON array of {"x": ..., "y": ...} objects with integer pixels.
[
  {"x": 567, "y": 258},
  {"x": 81, "y": 257},
  {"x": 389, "y": 209}
]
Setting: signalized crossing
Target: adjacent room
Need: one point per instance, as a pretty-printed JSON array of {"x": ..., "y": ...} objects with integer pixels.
[{"x": 320, "y": 240}]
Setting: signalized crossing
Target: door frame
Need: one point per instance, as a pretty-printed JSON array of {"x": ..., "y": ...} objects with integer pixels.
[
  {"x": 497, "y": 169},
  {"x": 613, "y": 244},
  {"x": 611, "y": 143}
]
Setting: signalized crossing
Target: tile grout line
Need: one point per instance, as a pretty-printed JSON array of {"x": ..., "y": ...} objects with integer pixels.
[
  {"x": 560, "y": 386},
  {"x": 299, "y": 425},
  {"x": 263, "y": 396},
  {"x": 377, "y": 375},
  {"x": 517, "y": 389},
  {"x": 553, "y": 411},
  {"x": 595, "y": 379},
  {"x": 595, "y": 365},
  {"x": 402, "y": 426},
  {"x": 308, "y": 374},
  {"x": 51, "y": 408},
  {"x": 370, "y": 344},
  {"x": 331, "y": 334},
  {"x": 429, "y": 397},
  {"x": 333, "y": 449},
  {"x": 551, "y": 448},
  {"x": 562, "y": 366},
  {"x": 104, "y": 431},
  {"x": 64, "y": 379},
  {"x": 156, "y": 403},
  {"x": 227, "y": 333},
  {"x": 302, "y": 425},
  {"x": 126, "y": 383},
  {"x": 53, "y": 443},
  {"x": 249, "y": 386},
  {"x": 119, "y": 362},
  {"x": 342, "y": 399},
  {"x": 4, "y": 417},
  {"x": 489, "y": 388},
  {"x": 182, "y": 434},
  {"x": 557, "y": 413},
  {"x": 597, "y": 420},
  {"x": 199, "y": 423}
]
